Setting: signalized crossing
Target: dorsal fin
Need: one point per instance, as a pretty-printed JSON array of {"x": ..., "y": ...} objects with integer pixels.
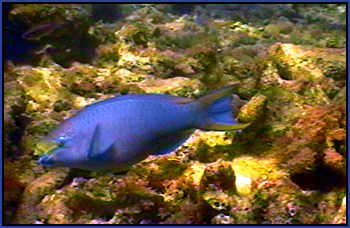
[{"x": 177, "y": 100}]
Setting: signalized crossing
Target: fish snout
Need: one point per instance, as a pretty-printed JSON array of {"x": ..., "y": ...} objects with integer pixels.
[{"x": 47, "y": 160}]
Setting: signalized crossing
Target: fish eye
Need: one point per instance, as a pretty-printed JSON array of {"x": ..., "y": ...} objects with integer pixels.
[{"x": 61, "y": 140}]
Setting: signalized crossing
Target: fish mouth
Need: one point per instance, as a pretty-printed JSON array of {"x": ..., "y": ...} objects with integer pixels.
[
  {"x": 47, "y": 161},
  {"x": 45, "y": 146}
]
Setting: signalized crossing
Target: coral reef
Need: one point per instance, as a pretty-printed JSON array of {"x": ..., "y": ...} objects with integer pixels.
[{"x": 287, "y": 166}]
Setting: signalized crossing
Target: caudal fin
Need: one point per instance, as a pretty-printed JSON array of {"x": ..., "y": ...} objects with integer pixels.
[{"x": 217, "y": 110}]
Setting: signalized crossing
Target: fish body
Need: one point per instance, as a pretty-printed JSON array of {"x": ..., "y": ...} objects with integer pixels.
[
  {"x": 121, "y": 131},
  {"x": 39, "y": 31}
]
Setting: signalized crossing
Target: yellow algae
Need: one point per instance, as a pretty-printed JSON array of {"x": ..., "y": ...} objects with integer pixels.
[
  {"x": 253, "y": 109},
  {"x": 250, "y": 171},
  {"x": 243, "y": 184},
  {"x": 194, "y": 173}
]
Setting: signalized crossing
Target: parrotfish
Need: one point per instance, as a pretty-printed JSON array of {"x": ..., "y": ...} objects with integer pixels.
[{"x": 121, "y": 131}]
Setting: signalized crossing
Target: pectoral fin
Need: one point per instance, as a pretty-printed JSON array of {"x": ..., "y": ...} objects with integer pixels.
[
  {"x": 105, "y": 155},
  {"x": 96, "y": 151},
  {"x": 95, "y": 144}
]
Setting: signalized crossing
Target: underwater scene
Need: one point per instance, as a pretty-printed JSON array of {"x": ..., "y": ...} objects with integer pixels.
[{"x": 174, "y": 113}]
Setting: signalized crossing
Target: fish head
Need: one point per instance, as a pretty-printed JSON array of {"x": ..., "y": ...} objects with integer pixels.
[
  {"x": 62, "y": 134},
  {"x": 52, "y": 158},
  {"x": 52, "y": 148},
  {"x": 71, "y": 144},
  {"x": 70, "y": 149},
  {"x": 47, "y": 160},
  {"x": 65, "y": 155},
  {"x": 59, "y": 157}
]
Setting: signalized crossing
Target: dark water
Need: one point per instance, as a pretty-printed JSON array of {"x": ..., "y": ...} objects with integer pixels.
[{"x": 16, "y": 48}]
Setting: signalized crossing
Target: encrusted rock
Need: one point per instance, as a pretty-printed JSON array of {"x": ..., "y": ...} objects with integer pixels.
[{"x": 253, "y": 109}]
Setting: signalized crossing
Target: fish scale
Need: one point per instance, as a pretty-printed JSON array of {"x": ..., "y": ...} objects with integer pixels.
[{"x": 124, "y": 130}]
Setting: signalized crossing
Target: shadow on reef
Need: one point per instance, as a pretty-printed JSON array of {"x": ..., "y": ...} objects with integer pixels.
[
  {"x": 16, "y": 48},
  {"x": 323, "y": 178},
  {"x": 31, "y": 42},
  {"x": 106, "y": 12}
]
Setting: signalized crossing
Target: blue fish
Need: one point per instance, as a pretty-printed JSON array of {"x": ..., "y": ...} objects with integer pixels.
[{"x": 121, "y": 131}]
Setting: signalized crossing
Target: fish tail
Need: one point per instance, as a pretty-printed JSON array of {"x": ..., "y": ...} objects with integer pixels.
[{"x": 216, "y": 110}]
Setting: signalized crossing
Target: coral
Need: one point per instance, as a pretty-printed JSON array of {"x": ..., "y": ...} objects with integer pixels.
[
  {"x": 333, "y": 159},
  {"x": 53, "y": 208},
  {"x": 222, "y": 219},
  {"x": 14, "y": 189},
  {"x": 178, "y": 86},
  {"x": 138, "y": 33},
  {"x": 277, "y": 30},
  {"x": 252, "y": 110},
  {"x": 297, "y": 62},
  {"x": 313, "y": 130},
  {"x": 340, "y": 218},
  {"x": 33, "y": 13},
  {"x": 218, "y": 176},
  {"x": 149, "y": 14},
  {"x": 35, "y": 191},
  {"x": 250, "y": 173}
]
